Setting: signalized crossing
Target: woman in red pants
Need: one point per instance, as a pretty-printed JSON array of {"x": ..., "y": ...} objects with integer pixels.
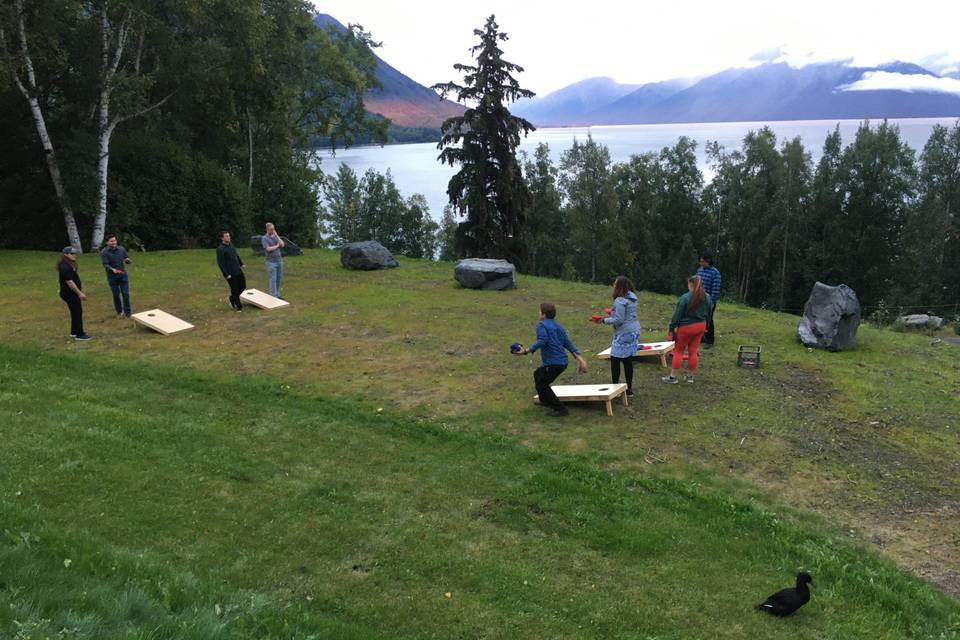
[{"x": 689, "y": 323}]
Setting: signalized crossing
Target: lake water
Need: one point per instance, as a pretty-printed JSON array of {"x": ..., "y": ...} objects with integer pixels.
[{"x": 415, "y": 168}]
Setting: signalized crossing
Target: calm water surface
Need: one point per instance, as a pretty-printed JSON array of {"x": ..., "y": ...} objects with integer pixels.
[{"x": 415, "y": 168}]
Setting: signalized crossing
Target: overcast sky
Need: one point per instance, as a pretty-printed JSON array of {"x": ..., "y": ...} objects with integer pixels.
[{"x": 559, "y": 42}]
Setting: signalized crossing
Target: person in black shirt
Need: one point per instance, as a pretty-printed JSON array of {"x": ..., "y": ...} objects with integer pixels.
[
  {"x": 71, "y": 292},
  {"x": 231, "y": 266}
]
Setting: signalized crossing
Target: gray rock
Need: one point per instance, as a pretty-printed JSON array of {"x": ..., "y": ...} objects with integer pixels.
[
  {"x": 367, "y": 255},
  {"x": 290, "y": 248},
  {"x": 483, "y": 273},
  {"x": 830, "y": 318},
  {"x": 921, "y": 321}
]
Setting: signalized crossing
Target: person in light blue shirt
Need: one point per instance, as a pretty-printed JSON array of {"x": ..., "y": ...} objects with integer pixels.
[
  {"x": 552, "y": 342},
  {"x": 626, "y": 330},
  {"x": 273, "y": 247},
  {"x": 710, "y": 277}
]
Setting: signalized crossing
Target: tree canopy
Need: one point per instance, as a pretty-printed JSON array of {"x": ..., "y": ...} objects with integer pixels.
[{"x": 489, "y": 189}]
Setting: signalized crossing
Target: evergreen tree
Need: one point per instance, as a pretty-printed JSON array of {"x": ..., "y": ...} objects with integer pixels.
[
  {"x": 545, "y": 230},
  {"x": 791, "y": 221},
  {"x": 600, "y": 248},
  {"x": 372, "y": 208},
  {"x": 878, "y": 176},
  {"x": 930, "y": 246},
  {"x": 447, "y": 235},
  {"x": 342, "y": 194},
  {"x": 489, "y": 188},
  {"x": 826, "y": 211}
]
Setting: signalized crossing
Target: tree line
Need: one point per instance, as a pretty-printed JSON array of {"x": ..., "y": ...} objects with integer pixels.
[
  {"x": 183, "y": 118},
  {"x": 179, "y": 118},
  {"x": 872, "y": 214}
]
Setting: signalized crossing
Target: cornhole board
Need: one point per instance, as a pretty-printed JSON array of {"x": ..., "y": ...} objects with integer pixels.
[
  {"x": 604, "y": 393},
  {"x": 161, "y": 321},
  {"x": 660, "y": 349},
  {"x": 263, "y": 300}
]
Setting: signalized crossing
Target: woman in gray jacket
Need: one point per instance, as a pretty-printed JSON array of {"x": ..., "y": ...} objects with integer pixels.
[{"x": 626, "y": 330}]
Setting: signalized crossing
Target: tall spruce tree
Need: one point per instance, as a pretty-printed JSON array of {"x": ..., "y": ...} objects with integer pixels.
[{"x": 489, "y": 189}]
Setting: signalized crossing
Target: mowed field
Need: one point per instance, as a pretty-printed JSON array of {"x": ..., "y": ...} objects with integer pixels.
[{"x": 368, "y": 463}]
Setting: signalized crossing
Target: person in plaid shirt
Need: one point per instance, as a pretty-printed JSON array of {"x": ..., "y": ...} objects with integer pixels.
[{"x": 710, "y": 276}]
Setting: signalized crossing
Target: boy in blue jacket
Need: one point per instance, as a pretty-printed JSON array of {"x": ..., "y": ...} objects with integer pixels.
[{"x": 551, "y": 340}]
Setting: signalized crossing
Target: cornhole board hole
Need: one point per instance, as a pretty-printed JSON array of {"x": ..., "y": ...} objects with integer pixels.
[
  {"x": 604, "y": 393},
  {"x": 646, "y": 349},
  {"x": 263, "y": 300},
  {"x": 161, "y": 321}
]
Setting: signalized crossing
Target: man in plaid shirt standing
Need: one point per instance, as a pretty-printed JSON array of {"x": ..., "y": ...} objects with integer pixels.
[{"x": 710, "y": 276}]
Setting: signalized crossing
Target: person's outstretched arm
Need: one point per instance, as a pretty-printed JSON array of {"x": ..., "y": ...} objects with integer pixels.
[
  {"x": 619, "y": 314},
  {"x": 539, "y": 342}
]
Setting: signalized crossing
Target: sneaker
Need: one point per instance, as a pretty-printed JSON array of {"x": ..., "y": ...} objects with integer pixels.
[
  {"x": 82, "y": 336},
  {"x": 120, "y": 316},
  {"x": 630, "y": 393},
  {"x": 559, "y": 413},
  {"x": 669, "y": 380},
  {"x": 706, "y": 345},
  {"x": 238, "y": 309},
  {"x": 73, "y": 335},
  {"x": 689, "y": 379}
]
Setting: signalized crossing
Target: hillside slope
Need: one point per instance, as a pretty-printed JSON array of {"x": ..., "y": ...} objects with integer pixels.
[
  {"x": 367, "y": 463},
  {"x": 405, "y": 102}
]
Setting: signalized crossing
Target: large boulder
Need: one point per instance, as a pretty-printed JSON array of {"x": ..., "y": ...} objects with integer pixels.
[
  {"x": 830, "y": 318},
  {"x": 290, "y": 248},
  {"x": 482, "y": 273},
  {"x": 920, "y": 321},
  {"x": 367, "y": 255}
]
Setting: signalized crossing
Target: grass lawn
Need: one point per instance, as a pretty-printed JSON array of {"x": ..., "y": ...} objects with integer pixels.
[{"x": 367, "y": 463}]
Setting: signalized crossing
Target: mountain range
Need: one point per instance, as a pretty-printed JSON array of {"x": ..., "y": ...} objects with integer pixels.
[
  {"x": 406, "y": 103},
  {"x": 767, "y": 92}
]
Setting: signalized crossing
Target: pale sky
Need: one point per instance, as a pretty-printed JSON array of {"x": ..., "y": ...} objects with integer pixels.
[{"x": 559, "y": 42}]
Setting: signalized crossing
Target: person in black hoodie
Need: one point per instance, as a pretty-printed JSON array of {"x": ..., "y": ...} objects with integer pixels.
[
  {"x": 71, "y": 291},
  {"x": 231, "y": 266}
]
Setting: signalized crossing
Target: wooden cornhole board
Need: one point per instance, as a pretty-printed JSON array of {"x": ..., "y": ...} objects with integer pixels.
[
  {"x": 604, "y": 393},
  {"x": 660, "y": 349},
  {"x": 263, "y": 300},
  {"x": 161, "y": 321}
]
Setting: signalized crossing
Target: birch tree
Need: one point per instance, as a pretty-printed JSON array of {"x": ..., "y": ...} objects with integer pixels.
[
  {"x": 25, "y": 79},
  {"x": 118, "y": 59}
]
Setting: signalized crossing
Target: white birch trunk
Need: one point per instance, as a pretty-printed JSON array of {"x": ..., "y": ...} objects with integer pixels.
[{"x": 30, "y": 94}]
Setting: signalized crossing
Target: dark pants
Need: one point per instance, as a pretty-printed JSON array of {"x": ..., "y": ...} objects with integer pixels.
[
  {"x": 120, "y": 286},
  {"x": 76, "y": 312},
  {"x": 542, "y": 378},
  {"x": 627, "y": 370},
  {"x": 238, "y": 283},
  {"x": 708, "y": 335}
]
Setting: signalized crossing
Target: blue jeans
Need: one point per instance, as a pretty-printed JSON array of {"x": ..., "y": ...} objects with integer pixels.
[
  {"x": 120, "y": 286},
  {"x": 274, "y": 272}
]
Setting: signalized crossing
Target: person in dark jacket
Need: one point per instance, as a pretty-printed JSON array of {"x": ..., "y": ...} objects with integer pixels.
[
  {"x": 710, "y": 276},
  {"x": 231, "y": 266},
  {"x": 688, "y": 324},
  {"x": 551, "y": 341},
  {"x": 71, "y": 291},
  {"x": 114, "y": 258},
  {"x": 626, "y": 330}
]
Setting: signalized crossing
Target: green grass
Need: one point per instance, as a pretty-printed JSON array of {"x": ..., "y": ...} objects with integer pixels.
[{"x": 241, "y": 481}]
